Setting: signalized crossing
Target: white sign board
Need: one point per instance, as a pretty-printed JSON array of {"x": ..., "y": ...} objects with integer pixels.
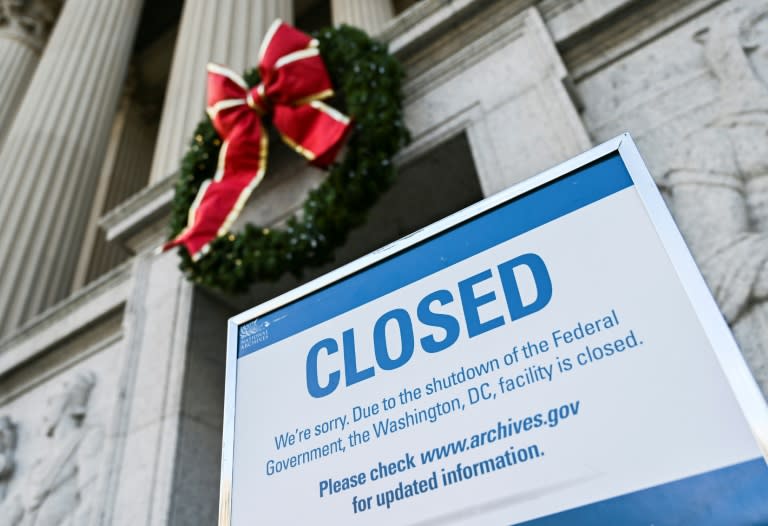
[{"x": 548, "y": 356}]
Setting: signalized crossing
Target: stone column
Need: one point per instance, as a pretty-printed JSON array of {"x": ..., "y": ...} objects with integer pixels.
[
  {"x": 50, "y": 161},
  {"x": 368, "y": 15},
  {"x": 24, "y": 28},
  {"x": 228, "y": 32}
]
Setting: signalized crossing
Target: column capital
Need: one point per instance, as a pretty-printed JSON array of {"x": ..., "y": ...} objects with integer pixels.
[{"x": 28, "y": 21}]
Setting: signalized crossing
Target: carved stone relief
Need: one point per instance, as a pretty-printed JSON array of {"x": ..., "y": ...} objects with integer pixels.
[
  {"x": 28, "y": 20},
  {"x": 719, "y": 186},
  {"x": 7, "y": 452},
  {"x": 57, "y": 488}
]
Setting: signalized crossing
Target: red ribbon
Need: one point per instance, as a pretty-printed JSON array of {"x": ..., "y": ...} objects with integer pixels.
[{"x": 294, "y": 81}]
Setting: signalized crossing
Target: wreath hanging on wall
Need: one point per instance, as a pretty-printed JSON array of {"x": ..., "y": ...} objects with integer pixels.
[{"x": 366, "y": 81}]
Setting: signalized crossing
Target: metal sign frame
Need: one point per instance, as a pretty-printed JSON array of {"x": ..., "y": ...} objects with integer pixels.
[{"x": 741, "y": 381}]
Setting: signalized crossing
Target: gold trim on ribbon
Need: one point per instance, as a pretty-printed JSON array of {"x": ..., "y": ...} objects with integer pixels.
[
  {"x": 315, "y": 96},
  {"x": 222, "y": 105},
  {"x": 307, "y": 154},
  {"x": 196, "y": 203},
  {"x": 255, "y": 106},
  {"x": 226, "y": 72},
  {"x": 296, "y": 56},
  {"x": 268, "y": 36},
  {"x": 237, "y": 208},
  {"x": 192, "y": 212},
  {"x": 246, "y": 192},
  {"x": 219, "y": 175},
  {"x": 200, "y": 253},
  {"x": 265, "y": 103},
  {"x": 330, "y": 111}
]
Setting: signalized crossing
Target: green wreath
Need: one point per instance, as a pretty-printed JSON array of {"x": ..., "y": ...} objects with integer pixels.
[{"x": 368, "y": 81}]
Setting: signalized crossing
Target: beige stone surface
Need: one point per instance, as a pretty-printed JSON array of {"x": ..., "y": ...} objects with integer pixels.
[
  {"x": 698, "y": 112},
  {"x": 501, "y": 79},
  {"x": 61, "y": 407},
  {"x": 368, "y": 15}
]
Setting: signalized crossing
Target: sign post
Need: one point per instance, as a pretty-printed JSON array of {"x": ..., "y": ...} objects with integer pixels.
[{"x": 550, "y": 355}]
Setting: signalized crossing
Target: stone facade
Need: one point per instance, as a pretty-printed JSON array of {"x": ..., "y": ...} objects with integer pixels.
[{"x": 112, "y": 368}]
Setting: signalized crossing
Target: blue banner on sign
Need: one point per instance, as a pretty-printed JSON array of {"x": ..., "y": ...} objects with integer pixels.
[{"x": 732, "y": 496}]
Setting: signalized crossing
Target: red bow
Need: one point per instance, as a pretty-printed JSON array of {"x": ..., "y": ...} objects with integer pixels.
[{"x": 294, "y": 81}]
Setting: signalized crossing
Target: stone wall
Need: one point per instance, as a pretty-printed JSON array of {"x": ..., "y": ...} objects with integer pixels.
[
  {"x": 692, "y": 88},
  {"x": 57, "y": 416}
]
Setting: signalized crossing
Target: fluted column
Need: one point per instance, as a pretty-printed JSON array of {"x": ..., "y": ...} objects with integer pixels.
[
  {"x": 368, "y": 15},
  {"x": 227, "y": 32},
  {"x": 49, "y": 163},
  {"x": 24, "y": 29}
]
